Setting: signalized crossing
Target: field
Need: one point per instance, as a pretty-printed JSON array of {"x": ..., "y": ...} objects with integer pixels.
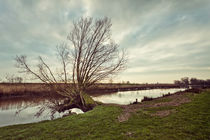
[
  {"x": 19, "y": 89},
  {"x": 179, "y": 116}
]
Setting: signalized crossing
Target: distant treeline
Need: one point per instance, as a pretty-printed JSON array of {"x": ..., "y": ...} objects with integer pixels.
[{"x": 193, "y": 82}]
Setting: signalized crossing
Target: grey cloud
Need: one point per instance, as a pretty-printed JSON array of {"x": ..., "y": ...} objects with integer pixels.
[{"x": 161, "y": 36}]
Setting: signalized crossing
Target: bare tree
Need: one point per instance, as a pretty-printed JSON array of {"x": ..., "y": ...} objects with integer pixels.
[
  {"x": 13, "y": 79},
  {"x": 92, "y": 56}
]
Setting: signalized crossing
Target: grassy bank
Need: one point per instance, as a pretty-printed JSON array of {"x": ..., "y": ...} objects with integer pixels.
[{"x": 189, "y": 120}]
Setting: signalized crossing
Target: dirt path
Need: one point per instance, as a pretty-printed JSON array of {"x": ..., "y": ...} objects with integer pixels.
[{"x": 172, "y": 100}]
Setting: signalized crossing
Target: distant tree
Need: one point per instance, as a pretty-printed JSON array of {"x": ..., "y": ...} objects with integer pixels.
[
  {"x": 177, "y": 82},
  {"x": 92, "y": 57},
  {"x": 13, "y": 79},
  {"x": 18, "y": 79},
  {"x": 110, "y": 80},
  {"x": 208, "y": 81},
  {"x": 200, "y": 82},
  {"x": 185, "y": 81},
  {"x": 194, "y": 81}
]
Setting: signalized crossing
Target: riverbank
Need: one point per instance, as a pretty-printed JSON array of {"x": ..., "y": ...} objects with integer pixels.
[
  {"x": 40, "y": 89},
  {"x": 179, "y": 116}
]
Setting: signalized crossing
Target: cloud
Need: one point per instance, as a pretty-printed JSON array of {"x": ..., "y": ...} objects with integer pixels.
[{"x": 160, "y": 36}]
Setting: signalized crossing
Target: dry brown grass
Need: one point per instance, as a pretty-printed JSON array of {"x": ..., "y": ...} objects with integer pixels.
[
  {"x": 7, "y": 89},
  {"x": 16, "y": 89}
]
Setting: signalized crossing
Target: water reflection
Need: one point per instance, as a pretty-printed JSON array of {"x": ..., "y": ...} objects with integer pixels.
[
  {"x": 18, "y": 102},
  {"x": 28, "y": 108},
  {"x": 127, "y": 97}
]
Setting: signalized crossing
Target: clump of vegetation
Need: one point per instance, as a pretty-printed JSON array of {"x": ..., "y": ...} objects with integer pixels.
[
  {"x": 168, "y": 94},
  {"x": 147, "y": 99},
  {"x": 193, "y": 83},
  {"x": 194, "y": 90}
]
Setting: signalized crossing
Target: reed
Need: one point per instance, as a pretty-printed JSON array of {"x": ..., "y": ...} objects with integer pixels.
[{"x": 17, "y": 89}]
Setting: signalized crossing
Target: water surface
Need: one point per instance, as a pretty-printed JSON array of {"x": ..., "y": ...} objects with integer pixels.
[
  {"x": 28, "y": 107},
  {"x": 24, "y": 110},
  {"x": 127, "y": 97}
]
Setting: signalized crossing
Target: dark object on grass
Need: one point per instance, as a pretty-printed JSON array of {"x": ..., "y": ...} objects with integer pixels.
[
  {"x": 70, "y": 113},
  {"x": 164, "y": 95},
  {"x": 136, "y": 102},
  {"x": 194, "y": 90},
  {"x": 147, "y": 99}
]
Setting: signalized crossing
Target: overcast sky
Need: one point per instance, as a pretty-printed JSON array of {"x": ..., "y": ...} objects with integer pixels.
[{"x": 165, "y": 39}]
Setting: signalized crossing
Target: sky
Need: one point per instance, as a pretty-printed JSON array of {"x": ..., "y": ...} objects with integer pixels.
[{"x": 164, "y": 39}]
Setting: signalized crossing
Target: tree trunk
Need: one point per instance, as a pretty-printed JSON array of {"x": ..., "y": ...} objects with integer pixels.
[{"x": 83, "y": 102}]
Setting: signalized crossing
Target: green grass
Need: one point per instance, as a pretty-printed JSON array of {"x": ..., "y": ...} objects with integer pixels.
[
  {"x": 160, "y": 100},
  {"x": 190, "y": 121},
  {"x": 155, "y": 109}
]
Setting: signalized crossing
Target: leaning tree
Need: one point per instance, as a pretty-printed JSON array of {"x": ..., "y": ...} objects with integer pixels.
[{"x": 90, "y": 57}]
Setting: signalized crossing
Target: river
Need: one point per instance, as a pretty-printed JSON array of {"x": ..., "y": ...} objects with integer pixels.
[{"x": 21, "y": 110}]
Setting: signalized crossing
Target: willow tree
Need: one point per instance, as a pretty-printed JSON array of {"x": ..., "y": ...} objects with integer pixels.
[{"x": 90, "y": 57}]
